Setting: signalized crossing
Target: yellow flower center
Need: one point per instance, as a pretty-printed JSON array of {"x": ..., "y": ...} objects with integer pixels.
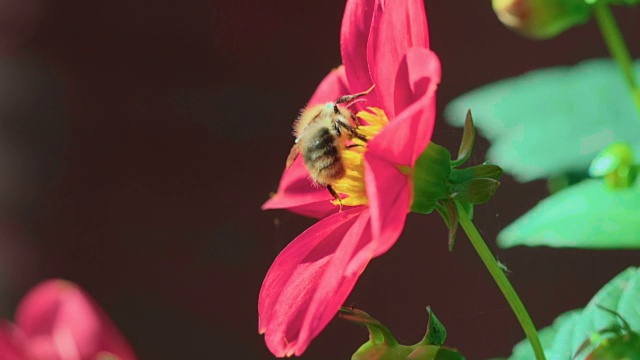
[{"x": 352, "y": 184}]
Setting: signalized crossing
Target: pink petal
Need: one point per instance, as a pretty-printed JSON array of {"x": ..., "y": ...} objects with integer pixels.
[
  {"x": 396, "y": 27},
  {"x": 389, "y": 194},
  {"x": 298, "y": 194},
  {"x": 354, "y": 36},
  {"x": 12, "y": 342},
  {"x": 413, "y": 126},
  {"x": 311, "y": 278},
  {"x": 333, "y": 86},
  {"x": 419, "y": 73},
  {"x": 61, "y": 321},
  {"x": 388, "y": 190},
  {"x": 349, "y": 261}
]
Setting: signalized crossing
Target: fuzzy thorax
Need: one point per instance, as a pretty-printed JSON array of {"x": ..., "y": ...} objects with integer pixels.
[{"x": 352, "y": 184}]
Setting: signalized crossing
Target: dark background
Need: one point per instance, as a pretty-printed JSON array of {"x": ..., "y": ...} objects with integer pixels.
[{"x": 138, "y": 140}]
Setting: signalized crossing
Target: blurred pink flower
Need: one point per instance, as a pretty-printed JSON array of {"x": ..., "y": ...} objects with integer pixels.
[
  {"x": 56, "y": 320},
  {"x": 386, "y": 44}
]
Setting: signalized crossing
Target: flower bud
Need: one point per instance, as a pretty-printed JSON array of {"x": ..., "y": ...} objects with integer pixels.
[
  {"x": 625, "y": 346},
  {"x": 616, "y": 164},
  {"x": 541, "y": 19},
  {"x": 383, "y": 346}
]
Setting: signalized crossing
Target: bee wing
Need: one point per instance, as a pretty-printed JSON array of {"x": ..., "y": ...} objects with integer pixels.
[{"x": 293, "y": 154}]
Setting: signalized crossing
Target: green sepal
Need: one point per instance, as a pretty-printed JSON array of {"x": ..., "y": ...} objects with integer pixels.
[
  {"x": 438, "y": 181},
  {"x": 452, "y": 214},
  {"x": 449, "y": 213},
  {"x": 442, "y": 210},
  {"x": 436, "y": 333},
  {"x": 430, "y": 176},
  {"x": 382, "y": 345},
  {"x": 475, "y": 191},
  {"x": 436, "y": 178},
  {"x": 459, "y": 176},
  {"x": 468, "y": 138},
  {"x": 378, "y": 333}
]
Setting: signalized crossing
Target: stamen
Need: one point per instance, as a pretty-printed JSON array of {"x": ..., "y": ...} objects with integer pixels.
[{"x": 352, "y": 184}]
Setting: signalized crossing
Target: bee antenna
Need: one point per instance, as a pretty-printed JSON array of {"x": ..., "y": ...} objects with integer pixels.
[{"x": 355, "y": 101}]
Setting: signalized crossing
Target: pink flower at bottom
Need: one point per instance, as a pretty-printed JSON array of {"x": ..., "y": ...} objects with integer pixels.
[
  {"x": 383, "y": 44},
  {"x": 57, "y": 320}
]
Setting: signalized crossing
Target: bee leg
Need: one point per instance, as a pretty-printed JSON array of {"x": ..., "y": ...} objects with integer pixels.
[
  {"x": 335, "y": 195},
  {"x": 340, "y": 123},
  {"x": 360, "y": 137},
  {"x": 352, "y": 146},
  {"x": 353, "y": 131},
  {"x": 337, "y": 125},
  {"x": 355, "y": 121}
]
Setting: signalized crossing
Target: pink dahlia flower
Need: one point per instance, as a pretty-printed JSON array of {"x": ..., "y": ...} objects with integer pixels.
[
  {"x": 56, "y": 320},
  {"x": 385, "y": 44}
]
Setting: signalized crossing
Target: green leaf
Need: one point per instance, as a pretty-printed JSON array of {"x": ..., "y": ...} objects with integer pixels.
[
  {"x": 563, "y": 181},
  {"x": 430, "y": 177},
  {"x": 561, "y": 330},
  {"x": 466, "y": 145},
  {"x": 570, "y": 330},
  {"x": 586, "y": 215},
  {"x": 552, "y": 121}
]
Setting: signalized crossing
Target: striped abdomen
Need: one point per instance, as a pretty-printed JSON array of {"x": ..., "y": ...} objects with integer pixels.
[{"x": 321, "y": 149}]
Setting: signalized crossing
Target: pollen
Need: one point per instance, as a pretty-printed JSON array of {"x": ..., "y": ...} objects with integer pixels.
[{"x": 352, "y": 185}]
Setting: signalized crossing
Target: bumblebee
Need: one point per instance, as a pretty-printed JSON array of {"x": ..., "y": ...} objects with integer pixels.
[{"x": 322, "y": 133}]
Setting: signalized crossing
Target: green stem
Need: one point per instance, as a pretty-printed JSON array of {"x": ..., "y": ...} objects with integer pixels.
[
  {"x": 501, "y": 279},
  {"x": 617, "y": 47}
]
